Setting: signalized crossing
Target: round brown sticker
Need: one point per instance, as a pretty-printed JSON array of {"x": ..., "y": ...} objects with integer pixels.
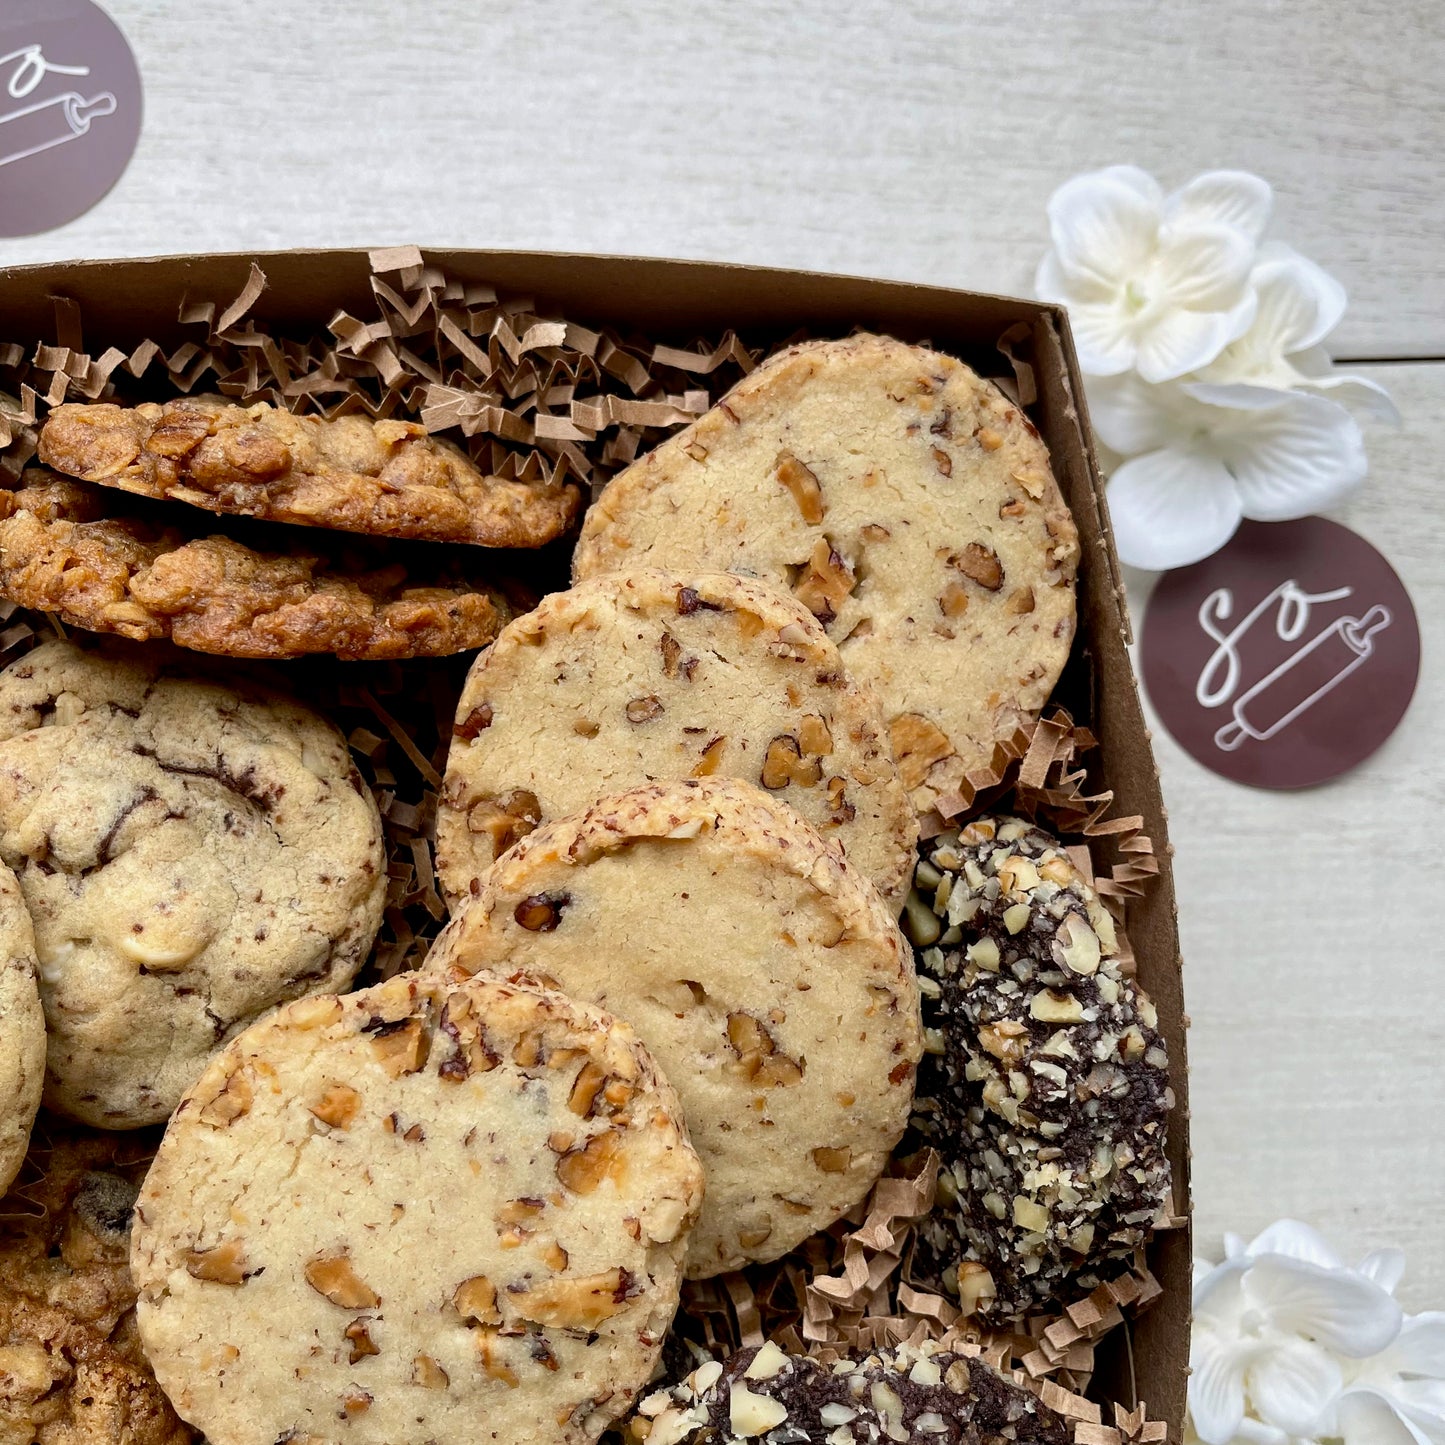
[
  {"x": 1284, "y": 659},
  {"x": 70, "y": 111}
]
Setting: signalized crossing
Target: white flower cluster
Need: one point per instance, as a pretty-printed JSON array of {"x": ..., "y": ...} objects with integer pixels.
[
  {"x": 1292, "y": 1347},
  {"x": 1203, "y": 348}
]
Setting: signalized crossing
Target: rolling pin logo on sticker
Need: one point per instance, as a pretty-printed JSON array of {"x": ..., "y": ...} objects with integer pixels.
[
  {"x": 70, "y": 111},
  {"x": 1285, "y": 659}
]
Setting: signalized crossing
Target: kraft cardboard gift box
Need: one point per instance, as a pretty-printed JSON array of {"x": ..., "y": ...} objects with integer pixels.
[{"x": 674, "y": 302}]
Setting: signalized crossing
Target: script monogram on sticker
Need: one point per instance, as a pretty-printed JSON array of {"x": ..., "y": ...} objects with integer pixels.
[
  {"x": 71, "y": 106},
  {"x": 1286, "y": 658},
  {"x": 1272, "y": 702},
  {"x": 31, "y": 129}
]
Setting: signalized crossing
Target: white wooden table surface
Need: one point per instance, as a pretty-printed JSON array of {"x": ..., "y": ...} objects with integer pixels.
[{"x": 912, "y": 139}]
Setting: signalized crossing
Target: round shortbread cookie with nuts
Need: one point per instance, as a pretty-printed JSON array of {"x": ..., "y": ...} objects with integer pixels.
[
  {"x": 193, "y": 850},
  {"x": 647, "y": 676},
  {"x": 761, "y": 969},
  {"x": 915, "y": 1394},
  {"x": 22, "y": 1030},
  {"x": 908, "y": 503},
  {"x": 451, "y": 1212},
  {"x": 1046, "y": 1088}
]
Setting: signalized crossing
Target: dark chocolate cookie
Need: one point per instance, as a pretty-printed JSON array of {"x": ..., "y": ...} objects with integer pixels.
[
  {"x": 1046, "y": 1084},
  {"x": 922, "y": 1395}
]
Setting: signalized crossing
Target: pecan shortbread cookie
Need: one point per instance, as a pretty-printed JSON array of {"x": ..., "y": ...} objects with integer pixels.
[
  {"x": 193, "y": 850},
  {"x": 22, "y": 1029},
  {"x": 72, "y": 1371},
  {"x": 145, "y": 570},
  {"x": 760, "y": 968},
  {"x": 1046, "y": 1087},
  {"x": 419, "y": 1212},
  {"x": 908, "y": 503},
  {"x": 915, "y": 1394},
  {"x": 649, "y": 676},
  {"x": 386, "y": 477}
]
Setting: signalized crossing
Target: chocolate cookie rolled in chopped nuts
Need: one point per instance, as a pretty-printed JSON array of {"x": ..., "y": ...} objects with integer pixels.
[
  {"x": 1046, "y": 1084},
  {"x": 916, "y": 1395}
]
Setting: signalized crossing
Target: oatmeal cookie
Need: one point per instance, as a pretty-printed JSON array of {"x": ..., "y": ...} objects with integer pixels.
[
  {"x": 71, "y": 1368},
  {"x": 760, "y": 968},
  {"x": 22, "y": 1029},
  {"x": 1046, "y": 1085},
  {"x": 649, "y": 676},
  {"x": 389, "y": 478},
  {"x": 908, "y": 503},
  {"x": 145, "y": 570},
  {"x": 193, "y": 850},
  {"x": 913, "y": 1394},
  {"x": 452, "y": 1213}
]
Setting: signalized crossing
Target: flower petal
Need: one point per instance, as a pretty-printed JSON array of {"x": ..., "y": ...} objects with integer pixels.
[
  {"x": 1256, "y": 1432},
  {"x": 1358, "y": 391},
  {"x": 1367, "y": 1418},
  {"x": 1238, "y": 396},
  {"x": 1102, "y": 338},
  {"x": 1130, "y": 417},
  {"x": 1207, "y": 269},
  {"x": 1102, "y": 228},
  {"x": 1299, "y": 303},
  {"x": 1172, "y": 507},
  {"x": 1296, "y": 1241},
  {"x": 1292, "y": 1385},
  {"x": 1138, "y": 180},
  {"x": 1419, "y": 1348},
  {"x": 1336, "y": 1307},
  {"x": 1421, "y": 1403},
  {"x": 1181, "y": 341},
  {"x": 1216, "y": 1392},
  {"x": 1051, "y": 284},
  {"x": 1231, "y": 198},
  {"x": 1303, "y": 456},
  {"x": 1386, "y": 1267},
  {"x": 1216, "y": 1293}
]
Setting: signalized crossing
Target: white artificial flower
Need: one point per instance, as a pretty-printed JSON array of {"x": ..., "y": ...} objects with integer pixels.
[
  {"x": 1398, "y": 1396},
  {"x": 1153, "y": 283},
  {"x": 1204, "y": 455},
  {"x": 1299, "y": 304},
  {"x": 1271, "y": 1327}
]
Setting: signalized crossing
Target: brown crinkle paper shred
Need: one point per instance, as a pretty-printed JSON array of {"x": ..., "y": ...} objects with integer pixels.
[
  {"x": 533, "y": 397},
  {"x": 848, "y": 1289}
]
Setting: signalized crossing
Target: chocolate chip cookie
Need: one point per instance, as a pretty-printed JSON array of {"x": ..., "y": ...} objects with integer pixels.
[
  {"x": 422, "y": 1211},
  {"x": 389, "y": 478},
  {"x": 648, "y": 676},
  {"x": 1046, "y": 1086},
  {"x": 22, "y": 1029},
  {"x": 144, "y": 570},
  {"x": 759, "y": 967},
  {"x": 916, "y": 1395},
  {"x": 908, "y": 503},
  {"x": 193, "y": 849},
  {"x": 71, "y": 1367}
]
